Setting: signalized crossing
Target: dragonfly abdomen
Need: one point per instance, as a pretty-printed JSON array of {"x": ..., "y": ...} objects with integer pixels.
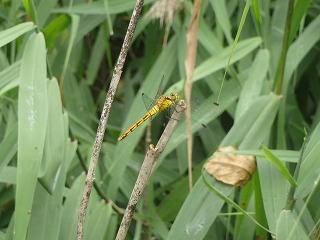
[{"x": 149, "y": 114}]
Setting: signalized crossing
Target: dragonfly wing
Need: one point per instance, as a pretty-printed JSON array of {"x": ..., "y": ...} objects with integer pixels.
[
  {"x": 194, "y": 113},
  {"x": 161, "y": 88},
  {"x": 148, "y": 102}
]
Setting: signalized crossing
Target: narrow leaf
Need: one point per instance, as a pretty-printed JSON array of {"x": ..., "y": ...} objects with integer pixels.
[
  {"x": 277, "y": 162},
  {"x": 32, "y": 119},
  {"x": 11, "y": 34}
]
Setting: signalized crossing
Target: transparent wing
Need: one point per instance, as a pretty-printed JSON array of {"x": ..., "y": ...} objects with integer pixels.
[
  {"x": 161, "y": 88},
  {"x": 148, "y": 102},
  {"x": 196, "y": 118}
]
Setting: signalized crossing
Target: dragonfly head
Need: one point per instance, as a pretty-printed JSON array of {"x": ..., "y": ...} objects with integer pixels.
[{"x": 175, "y": 97}]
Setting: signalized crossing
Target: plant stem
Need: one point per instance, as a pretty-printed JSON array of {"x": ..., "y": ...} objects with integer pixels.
[
  {"x": 190, "y": 61},
  {"x": 285, "y": 44},
  {"x": 104, "y": 118}
]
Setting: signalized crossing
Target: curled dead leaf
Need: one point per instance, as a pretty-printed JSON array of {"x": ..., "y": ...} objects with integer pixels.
[{"x": 229, "y": 168}]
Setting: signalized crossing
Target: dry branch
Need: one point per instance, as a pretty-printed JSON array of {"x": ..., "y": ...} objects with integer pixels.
[
  {"x": 148, "y": 164},
  {"x": 190, "y": 61},
  {"x": 104, "y": 118}
]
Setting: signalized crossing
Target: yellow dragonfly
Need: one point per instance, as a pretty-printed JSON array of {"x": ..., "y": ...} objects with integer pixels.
[{"x": 162, "y": 102}]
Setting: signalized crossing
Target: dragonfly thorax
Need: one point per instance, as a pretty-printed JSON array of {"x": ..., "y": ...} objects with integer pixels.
[{"x": 164, "y": 102}]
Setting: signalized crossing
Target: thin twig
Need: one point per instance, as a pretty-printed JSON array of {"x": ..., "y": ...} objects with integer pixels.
[
  {"x": 139, "y": 186},
  {"x": 148, "y": 136},
  {"x": 176, "y": 116},
  {"x": 190, "y": 62},
  {"x": 104, "y": 118},
  {"x": 148, "y": 164},
  {"x": 146, "y": 227}
]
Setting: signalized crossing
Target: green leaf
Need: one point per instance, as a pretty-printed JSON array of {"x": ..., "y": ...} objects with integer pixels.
[
  {"x": 98, "y": 8},
  {"x": 285, "y": 155},
  {"x": 219, "y": 61},
  {"x": 299, "y": 11},
  {"x": 70, "y": 210},
  {"x": 254, "y": 84},
  {"x": 9, "y": 77},
  {"x": 55, "y": 28},
  {"x": 286, "y": 229},
  {"x": 212, "y": 186},
  {"x": 74, "y": 29},
  {"x": 281, "y": 167},
  {"x": 55, "y": 139},
  {"x": 198, "y": 212},
  {"x": 97, "y": 54},
  {"x": 47, "y": 208},
  {"x": 310, "y": 167},
  {"x": 8, "y": 175},
  {"x": 223, "y": 19},
  {"x": 172, "y": 202},
  {"x": 46, "y": 214},
  {"x": 8, "y": 147},
  {"x": 32, "y": 121},
  {"x": 274, "y": 189},
  {"x": 98, "y": 221},
  {"x": 44, "y": 11},
  {"x": 253, "y": 126},
  {"x": 69, "y": 218},
  {"x": 11, "y": 34},
  {"x": 296, "y": 53}
]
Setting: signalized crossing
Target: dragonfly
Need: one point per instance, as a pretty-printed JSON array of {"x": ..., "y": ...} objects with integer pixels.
[{"x": 162, "y": 102}]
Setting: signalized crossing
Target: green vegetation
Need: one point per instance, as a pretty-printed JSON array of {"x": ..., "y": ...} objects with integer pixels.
[{"x": 258, "y": 59}]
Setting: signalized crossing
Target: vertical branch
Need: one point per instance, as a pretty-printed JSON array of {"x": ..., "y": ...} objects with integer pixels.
[
  {"x": 190, "y": 61},
  {"x": 104, "y": 118},
  {"x": 138, "y": 188},
  {"x": 148, "y": 165}
]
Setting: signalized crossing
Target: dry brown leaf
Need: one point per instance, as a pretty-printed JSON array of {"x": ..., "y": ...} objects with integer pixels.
[{"x": 232, "y": 169}]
